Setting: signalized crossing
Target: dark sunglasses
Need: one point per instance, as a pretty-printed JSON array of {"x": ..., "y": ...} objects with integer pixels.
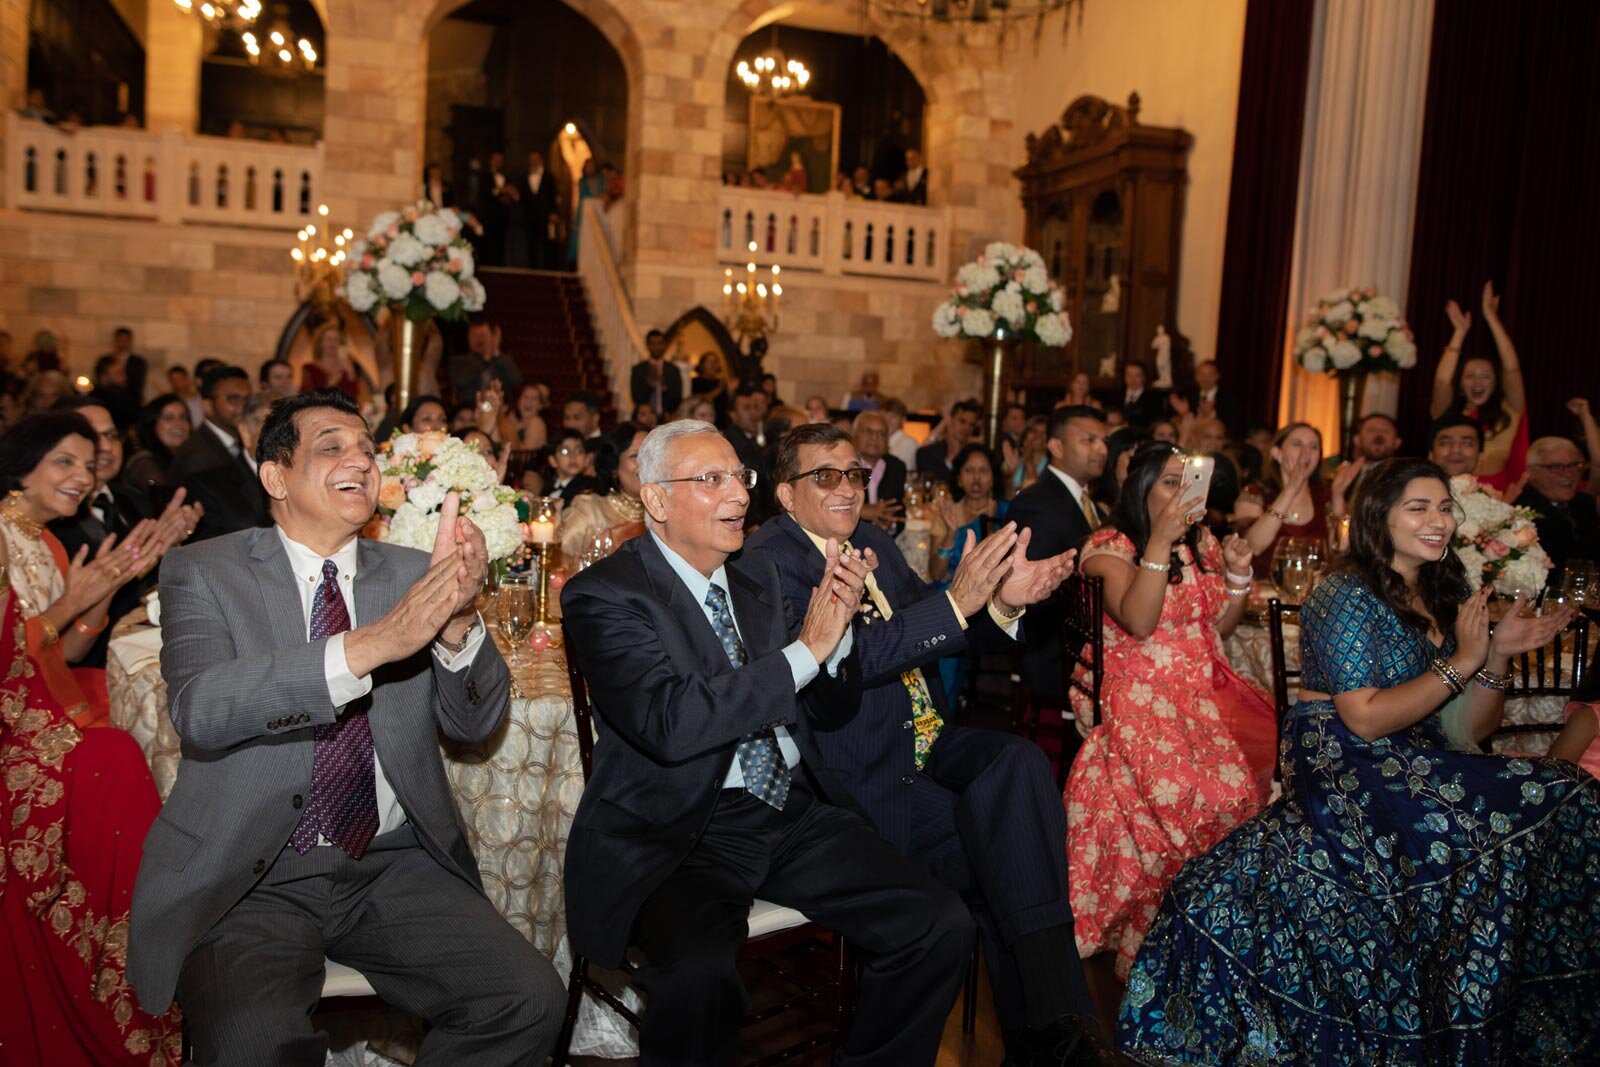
[{"x": 827, "y": 478}]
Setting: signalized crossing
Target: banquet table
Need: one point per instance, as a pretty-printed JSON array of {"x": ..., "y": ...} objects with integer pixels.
[
  {"x": 1249, "y": 650},
  {"x": 516, "y": 793}
]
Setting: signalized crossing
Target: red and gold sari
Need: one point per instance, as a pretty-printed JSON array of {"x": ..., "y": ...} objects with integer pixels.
[{"x": 77, "y": 806}]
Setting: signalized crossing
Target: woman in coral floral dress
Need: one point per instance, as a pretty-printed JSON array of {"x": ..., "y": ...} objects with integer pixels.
[{"x": 1185, "y": 747}]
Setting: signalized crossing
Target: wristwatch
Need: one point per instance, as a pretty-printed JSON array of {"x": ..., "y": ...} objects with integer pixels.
[{"x": 455, "y": 648}]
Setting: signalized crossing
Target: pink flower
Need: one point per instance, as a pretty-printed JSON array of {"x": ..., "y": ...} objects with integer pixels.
[
  {"x": 1374, "y": 350},
  {"x": 393, "y": 231},
  {"x": 410, "y": 214},
  {"x": 1033, "y": 305},
  {"x": 1018, "y": 275},
  {"x": 454, "y": 266},
  {"x": 1527, "y": 535},
  {"x": 1496, "y": 549},
  {"x": 417, "y": 277},
  {"x": 367, "y": 261},
  {"x": 1351, "y": 326},
  {"x": 961, "y": 290},
  {"x": 961, "y": 312}
]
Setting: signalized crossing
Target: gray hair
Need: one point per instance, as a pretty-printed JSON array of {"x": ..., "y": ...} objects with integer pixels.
[
  {"x": 654, "y": 458},
  {"x": 1545, "y": 445}
]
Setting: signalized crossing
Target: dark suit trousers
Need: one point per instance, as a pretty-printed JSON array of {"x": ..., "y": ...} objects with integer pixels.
[
  {"x": 914, "y": 934},
  {"x": 989, "y": 823},
  {"x": 428, "y": 942}
]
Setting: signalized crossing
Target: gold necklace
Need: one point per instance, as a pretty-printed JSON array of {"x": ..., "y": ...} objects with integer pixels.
[
  {"x": 13, "y": 509},
  {"x": 630, "y": 508}
]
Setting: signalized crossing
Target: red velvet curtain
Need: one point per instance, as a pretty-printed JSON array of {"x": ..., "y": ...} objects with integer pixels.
[
  {"x": 1262, "y": 197},
  {"x": 1506, "y": 191}
]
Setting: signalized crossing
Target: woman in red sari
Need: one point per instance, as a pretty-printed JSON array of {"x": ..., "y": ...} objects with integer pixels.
[
  {"x": 77, "y": 806},
  {"x": 46, "y": 473}
]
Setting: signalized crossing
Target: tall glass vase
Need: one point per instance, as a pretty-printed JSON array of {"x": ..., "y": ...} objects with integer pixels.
[
  {"x": 1000, "y": 349},
  {"x": 1352, "y": 391}
]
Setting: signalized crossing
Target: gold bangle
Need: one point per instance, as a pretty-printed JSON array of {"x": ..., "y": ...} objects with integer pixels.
[
  {"x": 91, "y": 631},
  {"x": 1275, "y": 513},
  {"x": 51, "y": 634}
]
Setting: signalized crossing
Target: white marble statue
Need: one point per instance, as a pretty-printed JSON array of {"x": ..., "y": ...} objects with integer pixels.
[
  {"x": 1162, "y": 347},
  {"x": 1113, "y": 298}
]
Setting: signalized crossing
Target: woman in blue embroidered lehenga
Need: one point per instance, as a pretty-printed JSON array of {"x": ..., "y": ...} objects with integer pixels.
[{"x": 1407, "y": 900}]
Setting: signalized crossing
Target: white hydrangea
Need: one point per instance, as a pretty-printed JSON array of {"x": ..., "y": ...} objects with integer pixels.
[
  {"x": 1036, "y": 280},
  {"x": 462, "y": 254},
  {"x": 1031, "y": 259},
  {"x": 1528, "y": 571},
  {"x": 430, "y": 494},
  {"x": 395, "y": 280},
  {"x": 407, "y": 251},
  {"x": 501, "y": 534},
  {"x": 432, "y": 230},
  {"x": 1054, "y": 329},
  {"x": 1315, "y": 359},
  {"x": 412, "y": 527},
  {"x": 1473, "y": 561},
  {"x": 977, "y": 323},
  {"x": 1002, "y": 251},
  {"x": 404, "y": 446},
  {"x": 977, "y": 277},
  {"x": 1344, "y": 354},
  {"x": 945, "y": 321},
  {"x": 472, "y": 294},
  {"x": 1374, "y": 328},
  {"x": 1057, "y": 298},
  {"x": 1008, "y": 306},
  {"x": 1305, "y": 338},
  {"x": 381, "y": 224},
  {"x": 361, "y": 292},
  {"x": 1335, "y": 296},
  {"x": 441, "y": 290},
  {"x": 1402, "y": 349},
  {"x": 1339, "y": 313},
  {"x": 1382, "y": 307}
]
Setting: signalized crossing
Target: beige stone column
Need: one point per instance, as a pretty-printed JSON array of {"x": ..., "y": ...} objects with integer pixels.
[
  {"x": 13, "y": 71},
  {"x": 173, "y": 48}
]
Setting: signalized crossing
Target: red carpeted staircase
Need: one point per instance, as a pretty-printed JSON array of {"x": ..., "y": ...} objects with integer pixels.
[{"x": 545, "y": 326}]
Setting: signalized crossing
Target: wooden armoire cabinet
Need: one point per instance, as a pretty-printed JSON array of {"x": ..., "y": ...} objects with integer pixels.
[{"x": 1104, "y": 201}]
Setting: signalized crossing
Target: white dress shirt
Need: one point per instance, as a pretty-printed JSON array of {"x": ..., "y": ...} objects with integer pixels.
[
  {"x": 231, "y": 443},
  {"x": 1079, "y": 492},
  {"x": 801, "y": 664},
  {"x": 903, "y": 446},
  {"x": 343, "y": 686}
]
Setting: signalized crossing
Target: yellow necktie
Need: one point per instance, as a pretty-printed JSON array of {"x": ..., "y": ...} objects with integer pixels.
[
  {"x": 1089, "y": 512},
  {"x": 926, "y": 722}
]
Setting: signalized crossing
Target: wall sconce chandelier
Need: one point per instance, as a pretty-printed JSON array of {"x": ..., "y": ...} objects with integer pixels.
[
  {"x": 773, "y": 73},
  {"x": 225, "y": 14}
]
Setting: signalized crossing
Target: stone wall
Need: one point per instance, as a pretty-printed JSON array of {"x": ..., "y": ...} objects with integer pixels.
[{"x": 185, "y": 291}]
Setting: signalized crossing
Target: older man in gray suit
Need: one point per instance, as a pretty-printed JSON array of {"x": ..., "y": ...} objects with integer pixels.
[{"x": 309, "y": 673}]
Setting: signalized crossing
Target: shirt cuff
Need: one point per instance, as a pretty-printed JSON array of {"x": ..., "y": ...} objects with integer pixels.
[
  {"x": 343, "y": 687},
  {"x": 839, "y": 655},
  {"x": 955, "y": 608},
  {"x": 1008, "y": 625},
  {"x": 801, "y": 664},
  {"x": 460, "y": 661}
]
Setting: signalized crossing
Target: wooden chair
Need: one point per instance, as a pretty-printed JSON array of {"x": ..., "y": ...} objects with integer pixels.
[
  {"x": 1083, "y": 665},
  {"x": 1277, "y": 612},
  {"x": 1541, "y": 673},
  {"x": 772, "y": 928}
]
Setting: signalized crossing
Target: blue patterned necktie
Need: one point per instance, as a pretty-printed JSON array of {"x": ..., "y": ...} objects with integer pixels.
[
  {"x": 766, "y": 775},
  {"x": 344, "y": 795}
]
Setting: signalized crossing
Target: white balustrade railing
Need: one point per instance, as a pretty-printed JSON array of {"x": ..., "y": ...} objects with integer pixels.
[
  {"x": 621, "y": 341},
  {"x": 169, "y": 177},
  {"x": 834, "y": 234}
]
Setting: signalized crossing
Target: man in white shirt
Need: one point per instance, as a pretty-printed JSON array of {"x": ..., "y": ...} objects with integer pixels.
[
  {"x": 708, "y": 789},
  {"x": 916, "y": 178},
  {"x": 902, "y": 446},
  {"x": 309, "y": 675}
]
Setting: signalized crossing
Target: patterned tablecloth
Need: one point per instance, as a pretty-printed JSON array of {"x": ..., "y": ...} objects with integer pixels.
[
  {"x": 1249, "y": 649},
  {"x": 517, "y": 793}
]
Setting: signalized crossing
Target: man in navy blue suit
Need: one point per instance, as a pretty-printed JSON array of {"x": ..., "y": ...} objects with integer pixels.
[{"x": 979, "y": 808}]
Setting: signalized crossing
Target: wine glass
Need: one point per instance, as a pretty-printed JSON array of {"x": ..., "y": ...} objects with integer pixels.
[
  {"x": 1287, "y": 550},
  {"x": 1297, "y": 576},
  {"x": 514, "y": 610}
]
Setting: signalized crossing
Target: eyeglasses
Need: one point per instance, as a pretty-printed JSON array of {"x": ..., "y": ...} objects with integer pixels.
[
  {"x": 827, "y": 478},
  {"x": 1562, "y": 468},
  {"x": 715, "y": 480}
]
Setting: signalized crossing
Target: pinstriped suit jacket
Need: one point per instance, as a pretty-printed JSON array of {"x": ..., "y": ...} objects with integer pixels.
[{"x": 244, "y": 689}]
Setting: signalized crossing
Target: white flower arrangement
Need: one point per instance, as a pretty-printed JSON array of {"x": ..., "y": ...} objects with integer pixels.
[
  {"x": 1355, "y": 330},
  {"x": 1495, "y": 541},
  {"x": 415, "y": 256},
  {"x": 420, "y": 469},
  {"x": 1006, "y": 288}
]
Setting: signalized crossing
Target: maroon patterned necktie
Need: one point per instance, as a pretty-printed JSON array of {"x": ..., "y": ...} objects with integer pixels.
[{"x": 344, "y": 797}]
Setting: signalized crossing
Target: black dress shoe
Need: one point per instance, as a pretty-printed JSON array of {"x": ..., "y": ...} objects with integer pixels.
[{"x": 1070, "y": 1041}]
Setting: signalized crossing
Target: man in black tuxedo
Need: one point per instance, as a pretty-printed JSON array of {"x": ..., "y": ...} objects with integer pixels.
[
  {"x": 569, "y": 456},
  {"x": 1058, "y": 510},
  {"x": 215, "y": 466},
  {"x": 1210, "y": 401},
  {"x": 1568, "y": 522},
  {"x": 960, "y": 428},
  {"x": 1141, "y": 403},
  {"x": 916, "y": 178},
  {"x": 708, "y": 790},
  {"x": 656, "y": 380},
  {"x": 496, "y": 194},
  {"x": 541, "y": 220},
  {"x": 885, "y": 490},
  {"x": 979, "y": 809},
  {"x": 113, "y": 508}
]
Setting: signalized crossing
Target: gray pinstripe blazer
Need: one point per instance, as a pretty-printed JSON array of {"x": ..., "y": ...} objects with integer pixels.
[{"x": 244, "y": 689}]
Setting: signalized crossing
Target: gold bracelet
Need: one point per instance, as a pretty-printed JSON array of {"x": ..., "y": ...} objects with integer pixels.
[
  {"x": 91, "y": 631},
  {"x": 1275, "y": 513},
  {"x": 51, "y": 634}
]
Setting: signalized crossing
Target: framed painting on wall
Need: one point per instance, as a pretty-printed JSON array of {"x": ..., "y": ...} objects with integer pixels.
[{"x": 794, "y": 139}]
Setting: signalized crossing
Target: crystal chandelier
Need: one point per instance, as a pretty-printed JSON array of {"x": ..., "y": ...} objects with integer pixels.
[
  {"x": 276, "y": 49},
  {"x": 225, "y": 14},
  {"x": 962, "y": 14},
  {"x": 772, "y": 73},
  {"x": 319, "y": 261},
  {"x": 750, "y": 306}
]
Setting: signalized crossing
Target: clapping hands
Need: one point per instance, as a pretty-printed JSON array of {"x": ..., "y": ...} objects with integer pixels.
[{"x": 836, "y": 599}]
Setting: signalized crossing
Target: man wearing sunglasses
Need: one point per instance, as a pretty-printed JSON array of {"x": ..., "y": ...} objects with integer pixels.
[
  {"x": 977, "y": 809},
  {"x": 708, "y": 790}
]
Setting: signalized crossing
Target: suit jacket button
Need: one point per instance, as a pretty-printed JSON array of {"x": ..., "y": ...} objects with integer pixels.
[
  {"x": 305, "y": 717},
  {"x": 260, "y": 866},
  {"x": 906, "y": 780},
  {"x": 297, "y": 801},
  {"x": 906, "y": 725}
]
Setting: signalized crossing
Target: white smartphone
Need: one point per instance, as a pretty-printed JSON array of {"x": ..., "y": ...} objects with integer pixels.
[{"x": 1196, "y": 488}]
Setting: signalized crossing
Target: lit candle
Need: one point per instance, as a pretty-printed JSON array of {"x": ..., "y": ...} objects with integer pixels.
[{"x": 542, "y": 532}]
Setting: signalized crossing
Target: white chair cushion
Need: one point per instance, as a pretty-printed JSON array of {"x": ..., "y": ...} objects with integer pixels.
[
  {"x": 767, "y": 918},
  {"x": 342, "y": 981}
]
